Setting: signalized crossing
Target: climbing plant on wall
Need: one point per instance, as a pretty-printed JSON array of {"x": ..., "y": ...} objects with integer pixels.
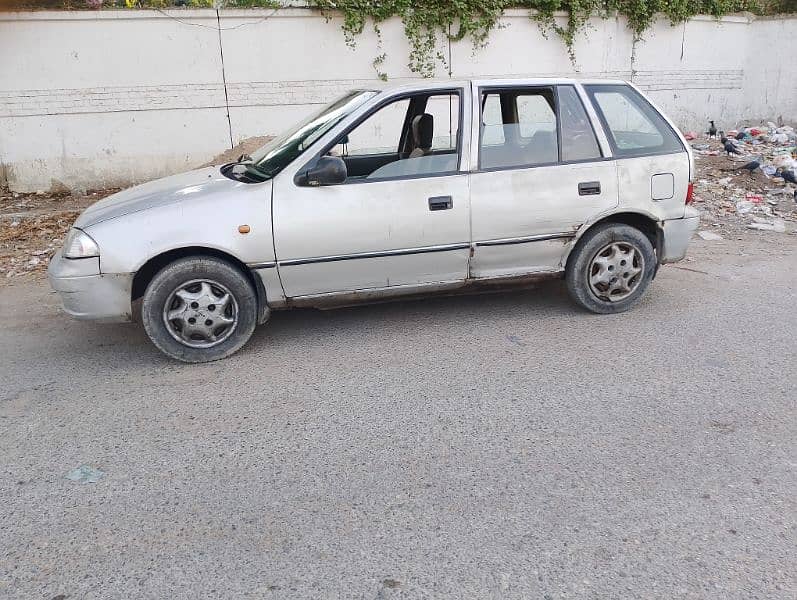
[{"x": 427, "y": 21}]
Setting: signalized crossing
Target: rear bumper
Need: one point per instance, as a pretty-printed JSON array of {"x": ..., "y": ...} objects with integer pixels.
[
  {"x": 88, "y": 294},
  {"x": 676, "y": 236}
]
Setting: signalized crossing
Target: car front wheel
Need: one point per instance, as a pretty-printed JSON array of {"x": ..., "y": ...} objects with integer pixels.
[
  {"x": 199, "y": 309},
  {"x": 610, "y": 268}
]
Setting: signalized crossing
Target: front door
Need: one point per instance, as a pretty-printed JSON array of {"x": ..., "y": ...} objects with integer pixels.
[
  {"x": 401, "y": 218},
  {"x": 541, "y": 176}
]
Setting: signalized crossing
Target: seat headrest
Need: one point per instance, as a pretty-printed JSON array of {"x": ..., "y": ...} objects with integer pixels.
[{"x": 423, "y": 130}]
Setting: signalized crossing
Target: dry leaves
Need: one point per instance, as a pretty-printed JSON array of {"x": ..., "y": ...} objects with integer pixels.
[{"x": 27, "y": 243}]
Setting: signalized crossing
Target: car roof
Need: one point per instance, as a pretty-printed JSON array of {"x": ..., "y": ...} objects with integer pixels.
[{"x": 411, "y": 84}]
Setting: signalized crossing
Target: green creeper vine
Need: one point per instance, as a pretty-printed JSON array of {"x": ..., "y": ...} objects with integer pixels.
[{"x": 426, "y": 22}]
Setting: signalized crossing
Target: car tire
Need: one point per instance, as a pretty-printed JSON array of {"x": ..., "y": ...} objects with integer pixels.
[
  {"x": 199, "y": 309},
  {"x": 610, "y": 268}
]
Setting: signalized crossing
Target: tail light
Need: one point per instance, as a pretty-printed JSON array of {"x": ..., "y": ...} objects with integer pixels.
[{"x": 690, "y": 190}]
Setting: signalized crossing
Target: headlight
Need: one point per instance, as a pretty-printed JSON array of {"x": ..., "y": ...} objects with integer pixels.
[{"x": 79, "y": 244}]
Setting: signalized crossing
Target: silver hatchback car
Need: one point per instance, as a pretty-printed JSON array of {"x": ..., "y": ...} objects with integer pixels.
[{"x": 429, "y": 187}]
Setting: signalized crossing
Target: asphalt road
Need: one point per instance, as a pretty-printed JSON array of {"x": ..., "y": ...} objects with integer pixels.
[{"x": 496, "y": 446}]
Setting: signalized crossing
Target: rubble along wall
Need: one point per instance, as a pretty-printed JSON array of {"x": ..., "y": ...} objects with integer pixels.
[{"x": 109, "y": 98}]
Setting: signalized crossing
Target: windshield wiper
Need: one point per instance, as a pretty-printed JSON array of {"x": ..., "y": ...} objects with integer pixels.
[
  {"x": 251, "y": 168},
  {"x": 245, "y": 169}
]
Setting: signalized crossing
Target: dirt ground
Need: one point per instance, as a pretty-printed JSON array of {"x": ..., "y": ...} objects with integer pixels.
[{"x": 33, "y": 226}]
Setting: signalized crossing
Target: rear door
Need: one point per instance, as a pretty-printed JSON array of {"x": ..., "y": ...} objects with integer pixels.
[{"x": 541, "y": 174}]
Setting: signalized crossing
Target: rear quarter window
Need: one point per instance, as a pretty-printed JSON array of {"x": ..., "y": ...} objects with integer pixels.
[{"x": 634, "y": 127}]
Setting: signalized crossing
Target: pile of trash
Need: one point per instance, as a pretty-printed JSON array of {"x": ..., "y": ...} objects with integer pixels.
[{"x": 746, "y": 179}]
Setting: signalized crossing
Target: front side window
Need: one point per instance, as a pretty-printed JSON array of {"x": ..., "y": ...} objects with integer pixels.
[
  {"x": 634, "y": 127},
  {"x": 380, "y": 133},
  {"x": 444, "y": 109},
  {"x": 519, "y": 128},
  {"x": 412, "y": 136}
]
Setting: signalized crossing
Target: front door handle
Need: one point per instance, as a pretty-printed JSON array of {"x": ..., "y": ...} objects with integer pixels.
[
  {"x": 589, "y": 188},
  {"x": 440, "y": 202}
]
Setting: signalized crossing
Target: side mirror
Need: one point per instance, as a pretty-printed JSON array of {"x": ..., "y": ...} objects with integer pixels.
[{"x": 329, "y": 170}]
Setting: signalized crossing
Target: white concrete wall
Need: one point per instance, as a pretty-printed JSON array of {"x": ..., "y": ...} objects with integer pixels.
[
  {"x": 770, "y": 70},
  {"x": 93, "y": 99}
]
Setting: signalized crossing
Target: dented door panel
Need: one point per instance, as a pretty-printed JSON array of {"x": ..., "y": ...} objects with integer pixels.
[{"x": 543, "y": 204}]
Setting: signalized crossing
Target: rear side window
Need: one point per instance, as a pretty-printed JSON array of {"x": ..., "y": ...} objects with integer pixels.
[
  {"x": 578, "y": 138},
  {"x": 633, "y": 125},
  {"x": 534, "y": 113},
  {"x": 492, "y": 122},
  {"x": 519, "y": 128}
]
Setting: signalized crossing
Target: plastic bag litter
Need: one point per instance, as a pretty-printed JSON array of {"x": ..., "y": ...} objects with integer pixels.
[
  {"x": 779, "y": 138},
  {"x": 777, "y": 225},
  {"x": 85, "y": 474},
  {"x": 784, "y": 161},
  {"x": 744, "y": 206}
]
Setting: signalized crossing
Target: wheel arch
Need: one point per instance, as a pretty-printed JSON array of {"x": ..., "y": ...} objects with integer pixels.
[
  {"x": 152, "y": 266},
  {"x": 644, "y": 222}
]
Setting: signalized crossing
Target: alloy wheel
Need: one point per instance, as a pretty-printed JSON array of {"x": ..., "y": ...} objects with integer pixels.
[{"x": 200, "y": 313}]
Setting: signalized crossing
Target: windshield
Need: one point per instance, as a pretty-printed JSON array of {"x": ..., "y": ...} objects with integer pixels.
[{"x": 279, "y": 152}]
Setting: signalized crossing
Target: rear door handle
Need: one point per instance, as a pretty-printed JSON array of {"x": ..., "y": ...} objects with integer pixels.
[
  {"x": 440, "y": 202},
  {"x": 589, "y": 188}
]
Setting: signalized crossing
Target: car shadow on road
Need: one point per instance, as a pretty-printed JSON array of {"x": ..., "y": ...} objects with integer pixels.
[
  {"x": 293, "y": 330},
  {"x": 545, "y": 299}
]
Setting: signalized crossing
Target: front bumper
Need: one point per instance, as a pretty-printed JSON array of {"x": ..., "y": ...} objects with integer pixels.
[
  {"x": 88, "y": 294},
  {"x": 676, "y": 236}
]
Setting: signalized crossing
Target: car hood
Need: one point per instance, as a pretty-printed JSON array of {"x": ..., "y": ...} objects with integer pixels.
[{"x": 185, "y": 187}]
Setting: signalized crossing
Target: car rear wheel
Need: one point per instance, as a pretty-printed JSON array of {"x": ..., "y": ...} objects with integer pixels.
[
  {"x": 610, "y": 268},
  {"x": 199, "y": 309}
]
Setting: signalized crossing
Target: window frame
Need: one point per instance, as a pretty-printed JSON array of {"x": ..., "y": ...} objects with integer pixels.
[
  {"x": 591, "y": 88},
  {"x": 482, "y": 90},
  {"x": 412, "y": 95}
]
